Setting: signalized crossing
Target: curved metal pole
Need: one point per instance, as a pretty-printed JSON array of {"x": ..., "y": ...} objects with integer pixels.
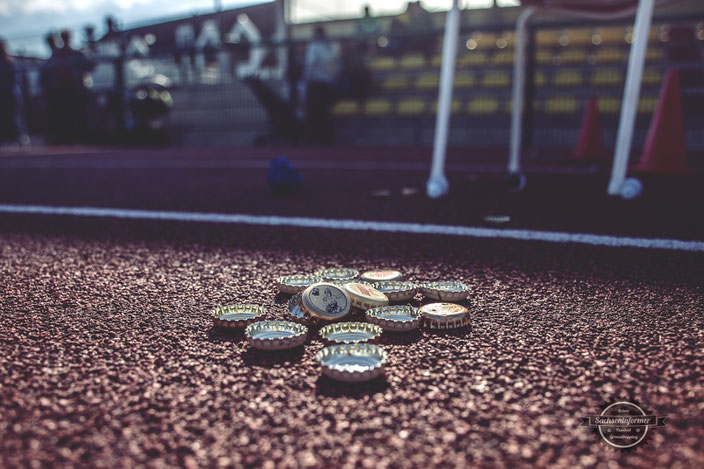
[
  {"x": 519, "y": 76},
  {"x": 631, "y": 93},
  {"x": 437, "y": 185}
]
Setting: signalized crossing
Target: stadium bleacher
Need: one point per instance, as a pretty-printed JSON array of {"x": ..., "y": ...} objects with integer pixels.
[{"x": 571, "y": 65}]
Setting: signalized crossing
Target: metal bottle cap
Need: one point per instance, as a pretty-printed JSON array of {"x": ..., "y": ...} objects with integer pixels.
[
  {"x": 292, "y": 284},
  {"x": 364, "y": 296},
  {"x": 325, "y": 301},
  {"x": 236, "y": 316},
  {"x": 296, "y": 314},
  {"x": 395, "y": 318},
  {"x": 444, "y": 315},
  {"x": 350, "y": 333},
  {"x": 381, "y": 275},
  {"x": 397, "y": 291},
  {"x": 352, "y": 362},
  {"x": 337, "y": 274},
  {"x": 276, "y": 335},
  {"x": 445, "y": 290}
]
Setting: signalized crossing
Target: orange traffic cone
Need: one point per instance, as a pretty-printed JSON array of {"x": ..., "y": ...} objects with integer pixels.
[
  {"x": 590, "y": 145},
  {"x": 665, "y": 148}
]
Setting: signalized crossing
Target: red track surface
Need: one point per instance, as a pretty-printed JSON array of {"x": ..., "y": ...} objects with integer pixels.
[{"x": 109, "y": 357}]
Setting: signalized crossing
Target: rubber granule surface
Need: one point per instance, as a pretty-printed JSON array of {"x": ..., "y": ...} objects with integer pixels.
[{"x": 109, "y": 358}]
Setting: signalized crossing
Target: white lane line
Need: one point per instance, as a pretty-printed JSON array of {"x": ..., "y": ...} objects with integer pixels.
[{"x": 361, "y": 225}]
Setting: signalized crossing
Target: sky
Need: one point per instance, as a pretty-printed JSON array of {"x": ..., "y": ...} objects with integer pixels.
[{"x": 24, "y": 22}]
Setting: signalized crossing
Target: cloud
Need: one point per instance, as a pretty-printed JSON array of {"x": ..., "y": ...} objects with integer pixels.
[{"x": 29, "y": 7}]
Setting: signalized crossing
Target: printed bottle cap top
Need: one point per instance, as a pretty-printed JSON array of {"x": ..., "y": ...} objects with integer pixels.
[
  {"x": 325, "y": 301},
  {"x": 444, "y": 315},
  {"x": 365, "y": 296}
]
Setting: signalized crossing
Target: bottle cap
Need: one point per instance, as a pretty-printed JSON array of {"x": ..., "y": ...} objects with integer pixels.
[
  {"x": 381, "y": 275},
  {"x": 325, "y": 301},
  {"x": 350, "y": 333},
  {"x": 276, "y": 335},
  {"x": 337, "y": 274},
  {"x": 397, "y": 291},
  {"x": 398, "y": 318},
  {"x": 444, "y": 315},
  {"x": 364, "y": 296},
  {"x": 292, "y": 284},
  {"x": 352, "y": 362},
  {"x": 295, "y": 313},
  {"x": 445, "y": 290},
  {"x": 237, "y": 316}
]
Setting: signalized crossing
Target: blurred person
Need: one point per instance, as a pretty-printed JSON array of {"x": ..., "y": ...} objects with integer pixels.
[
  {"x": 48, "y": 81},
  {"x": 320, "y": 67},
  {"x": 410, "y": 31},
  {"x": 10, "y": 99},
  {"x": 71, "y": 91},
  {"x": 294, "y": 75},
  {"x": 369, "y": 28},
  {"x": 354, "y": 80}
]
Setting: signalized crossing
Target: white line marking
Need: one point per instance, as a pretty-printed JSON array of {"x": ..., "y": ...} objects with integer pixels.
[{"x": 362, "y": 225}]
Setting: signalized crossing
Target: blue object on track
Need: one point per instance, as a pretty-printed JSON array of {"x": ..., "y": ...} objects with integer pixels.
[{"x": 284, "y": 178}]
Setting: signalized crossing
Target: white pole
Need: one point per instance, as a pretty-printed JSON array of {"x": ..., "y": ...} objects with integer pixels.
[
  {"x": 519, "y": 76},
  {"x": 631, "y": 94},
  {"x": 437, "y": 182}
]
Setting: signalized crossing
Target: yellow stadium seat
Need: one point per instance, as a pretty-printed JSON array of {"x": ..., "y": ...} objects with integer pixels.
[
  {"x": 561, "y": 105},
  {"x": 427, "y": 81},
  {"x": 610, "y": 55},
  {"x": 547, "y": 37},
  {"x": 411, "y": 107},
  {"x": 395, "y": 82},
  {"x": 377, "y": 107},
  {"x": 539, "y": 78},
  {"x": 504, "y": 57},
  {"x": 579, "y": 37},
  {"x": 455, "y": 106},
  {"x": 609, "y": 105},
  {"x": 607, "y": 78},
  {"x": 412, "y": 61},
  {"x": 464, "y": 80},
  {"x": 573, "y": 56},
  {"x": 612, "y": 35},
  {"x": 653, "y": 54},
  {"x": 481, "y": 40},
  {"x": 567, "y": 78},
  {"x": 382, "y": 63},
  {"x": 472, "y": 58},
  {"x": 647, "y": 104},
  {"x": 483, "y": 105},
  {"x": 543, "y": 57},
  {"x": 436, "y": 61},
  {"x": 651, "y": 76},
  {"x": 508, "y": 107},
  {"x": 496, "y": 79},
  {"x": 345, "y": 108},
  {"x": 505, "y": 40}
]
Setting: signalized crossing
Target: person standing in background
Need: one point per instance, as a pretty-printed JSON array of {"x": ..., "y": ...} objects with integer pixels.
[
  {"x": 48, "y": 83},
  {"x": 10, "y": 99},
  {"x": 320, "y": 68},
  {"x": 71, "y": 91}
]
